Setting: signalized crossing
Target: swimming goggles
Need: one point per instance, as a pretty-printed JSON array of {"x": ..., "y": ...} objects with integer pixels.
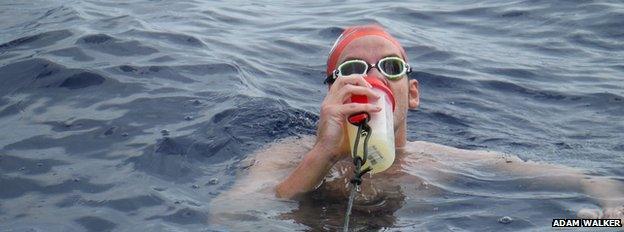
[{"x": 391, "y": 67}]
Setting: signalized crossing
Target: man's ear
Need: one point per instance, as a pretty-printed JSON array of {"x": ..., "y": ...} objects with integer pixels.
[{"x": 414, "y": 95}]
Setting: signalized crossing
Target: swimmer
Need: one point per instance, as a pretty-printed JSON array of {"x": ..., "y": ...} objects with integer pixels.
[{"x": 296, "y": 167}]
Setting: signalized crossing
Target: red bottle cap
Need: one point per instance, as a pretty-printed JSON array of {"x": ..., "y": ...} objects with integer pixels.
[{"x": 376, "y": 83}]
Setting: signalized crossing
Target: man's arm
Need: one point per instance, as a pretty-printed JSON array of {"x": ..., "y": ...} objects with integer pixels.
[
  {"x": 268, "y": 166},
  {"x": 308, "y": 175},
  {"x": 331, "y": 139},
  {"x": 608, "y": 192},
  {"x": 254, "y": 189}
]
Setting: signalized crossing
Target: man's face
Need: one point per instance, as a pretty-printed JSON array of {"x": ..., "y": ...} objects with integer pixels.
[{"x": 373, "y": 48}]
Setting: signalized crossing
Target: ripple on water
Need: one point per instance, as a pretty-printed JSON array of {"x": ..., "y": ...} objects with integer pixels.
[
  {"x": 184, "y": 216},
  {"x": 110, "y": 45},
  {"x": 77, "y": 54},
  {"x": 36, "y": 41},
  {"x": 27, "y": 166},
  {"x": 128, "y": 204},
  {"x": 92, "y": 223},
  {"x": 221, "y": 71},
  {"x": 33, "y": 74},
  {"x": 167, "y": 37},
  {"x": 17, "y": 186}
]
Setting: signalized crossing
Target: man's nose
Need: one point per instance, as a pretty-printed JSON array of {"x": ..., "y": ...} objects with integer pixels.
[{"x": 374, "y": 73}]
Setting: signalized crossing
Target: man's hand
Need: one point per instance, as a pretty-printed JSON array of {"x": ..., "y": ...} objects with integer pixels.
[
  {"x": 331, "y": 142},
  {"x": 607, "y": 213},
  {"x": 336, "y": 107}
]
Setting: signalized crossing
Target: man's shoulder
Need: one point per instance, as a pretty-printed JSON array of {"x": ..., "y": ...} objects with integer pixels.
[
  {"x": 282, "y": 152},
  {"x": 426, "y": 147},
  {"x": 289, "y": 145}
]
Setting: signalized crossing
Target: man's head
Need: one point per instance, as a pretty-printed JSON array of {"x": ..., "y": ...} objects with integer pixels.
[{"x": 371, "y": 43}]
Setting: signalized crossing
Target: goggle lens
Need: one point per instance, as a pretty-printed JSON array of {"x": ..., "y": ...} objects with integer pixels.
[
  {"x": 392, "y": 67},
  {"x": 353, "y": 67}
]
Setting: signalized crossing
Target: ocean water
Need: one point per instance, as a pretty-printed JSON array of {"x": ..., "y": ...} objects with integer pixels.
[{"x": 133, "y": 115}]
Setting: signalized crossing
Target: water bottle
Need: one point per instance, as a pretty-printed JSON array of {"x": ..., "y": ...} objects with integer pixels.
[{"x": 381, "y": 142}]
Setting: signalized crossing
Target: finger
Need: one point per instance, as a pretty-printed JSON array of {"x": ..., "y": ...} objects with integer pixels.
[
  {"x": 352, "y": 108},
  {"x": 349, "y": 90},
  {"x": 589, "y": 214},
  {"x": 614, "y": 213},
  {"x": 334, "y": 94},
  {"x": 353, "y": 79}
]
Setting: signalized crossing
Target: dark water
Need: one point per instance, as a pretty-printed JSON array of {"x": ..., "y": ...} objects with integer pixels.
[{"x": 116, "y": 115}]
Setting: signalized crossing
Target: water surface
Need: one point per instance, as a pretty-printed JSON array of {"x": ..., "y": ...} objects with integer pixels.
[{"x": 119, "y": 115}]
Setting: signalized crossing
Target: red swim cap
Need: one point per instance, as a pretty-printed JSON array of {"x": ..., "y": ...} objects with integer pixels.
[{"x": 352, "y": 33}]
